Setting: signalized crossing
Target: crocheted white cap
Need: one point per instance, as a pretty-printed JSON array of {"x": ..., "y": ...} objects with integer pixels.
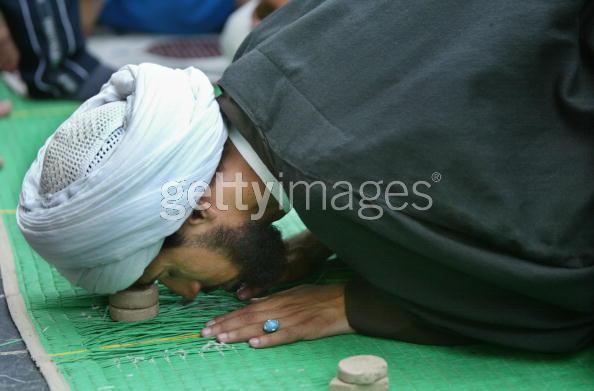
[{"x": 82, "y": 144}]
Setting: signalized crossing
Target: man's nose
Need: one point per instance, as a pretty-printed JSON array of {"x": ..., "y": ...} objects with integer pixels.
[{"x": 188, "y": 289}]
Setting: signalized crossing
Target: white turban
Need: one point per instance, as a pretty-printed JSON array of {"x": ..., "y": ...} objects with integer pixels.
[{"x": 92, "y": 202}]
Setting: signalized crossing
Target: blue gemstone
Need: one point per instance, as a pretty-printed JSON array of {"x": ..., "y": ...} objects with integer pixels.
[{"x": 271, "y": 325}]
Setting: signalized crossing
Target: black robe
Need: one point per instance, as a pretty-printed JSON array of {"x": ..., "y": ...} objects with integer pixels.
[{"x": 490, "y": 106}]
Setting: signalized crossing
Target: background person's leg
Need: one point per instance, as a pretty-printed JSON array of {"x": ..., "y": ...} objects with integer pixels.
[
  {"x": 90, "y": 10},
  {"x": 9, "y": 55},
  {"x": 54, "y": 62}
]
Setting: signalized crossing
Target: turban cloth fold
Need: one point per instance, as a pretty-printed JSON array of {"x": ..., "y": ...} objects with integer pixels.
[{"x": 93, "y": 201}]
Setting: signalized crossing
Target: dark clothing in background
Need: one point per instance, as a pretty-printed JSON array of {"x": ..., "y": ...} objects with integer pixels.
[
  {"x": 54, "y": 61},
  {"x": 496, "y": 97}
]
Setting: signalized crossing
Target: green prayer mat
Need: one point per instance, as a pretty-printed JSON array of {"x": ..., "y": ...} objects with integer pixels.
[{"x": 91, "y": 352}]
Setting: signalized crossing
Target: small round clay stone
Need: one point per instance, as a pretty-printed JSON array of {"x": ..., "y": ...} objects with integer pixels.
[
  {"x": 136, "y": 297},
  {"x": 125, "y": 315},
  {"x": 365, "y": 369}
]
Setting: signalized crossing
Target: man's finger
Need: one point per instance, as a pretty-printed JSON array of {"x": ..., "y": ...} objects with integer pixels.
[
  {"x": 241, "y": 321},
  {"x": 257, "y": 306},
  {"x": 248, "y": 292},
  {"x": 280, "y": 337},
  {"x": 254, "y": 330},
  {"x": 222, "y": 318},
  {"x": 241, "y": 334}
]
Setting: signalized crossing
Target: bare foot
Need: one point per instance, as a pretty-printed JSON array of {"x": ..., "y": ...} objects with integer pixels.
[
  {"x": 9, "y": 54},
  {"x": 5, "y": 108}
]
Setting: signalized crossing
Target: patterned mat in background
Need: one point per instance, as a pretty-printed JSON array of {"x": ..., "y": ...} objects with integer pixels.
[
  {"x": 93, "y": 353},
  {"x": 200, "y": 47}
]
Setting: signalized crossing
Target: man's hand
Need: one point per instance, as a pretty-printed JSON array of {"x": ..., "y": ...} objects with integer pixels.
[
  {"x": 304, "y": 254},
  {"x": 305, "y": 312}
]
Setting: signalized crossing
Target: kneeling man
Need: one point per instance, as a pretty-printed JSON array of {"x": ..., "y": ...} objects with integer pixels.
[{"x": 444, "y": 154}]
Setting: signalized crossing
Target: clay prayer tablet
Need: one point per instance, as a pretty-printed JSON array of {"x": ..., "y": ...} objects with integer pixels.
[
  {"x": 126, "y": 315},
  {"x": 136, "y": 297},
  {"x": 365, "y": 369}
]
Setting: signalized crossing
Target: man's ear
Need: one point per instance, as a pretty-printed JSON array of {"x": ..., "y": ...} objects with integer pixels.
[{"x": 196, "y": 218}]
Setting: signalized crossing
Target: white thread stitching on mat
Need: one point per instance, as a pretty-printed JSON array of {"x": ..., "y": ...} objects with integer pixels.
[{"x": 20, "y": 316}]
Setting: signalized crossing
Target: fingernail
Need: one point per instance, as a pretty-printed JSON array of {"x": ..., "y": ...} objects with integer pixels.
[
  {"x": 222, "y": 337},
  {"x": 254, "y": 342},
  {"x": 241, "y": 292},
  {"x": 206, "y": 332},
  {"x": 210, "y": 323}
]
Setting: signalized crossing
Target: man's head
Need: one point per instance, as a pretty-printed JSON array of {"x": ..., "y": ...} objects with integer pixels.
[
  {"x": 227, "y": 242},
  {"x": 94, "y": 203}
]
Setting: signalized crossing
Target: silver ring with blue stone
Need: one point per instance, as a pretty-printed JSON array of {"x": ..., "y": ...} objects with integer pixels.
[{"x": 271, "y": 325}]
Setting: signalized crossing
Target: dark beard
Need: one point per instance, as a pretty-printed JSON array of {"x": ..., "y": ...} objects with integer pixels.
[{"x": 256, "y": 249}]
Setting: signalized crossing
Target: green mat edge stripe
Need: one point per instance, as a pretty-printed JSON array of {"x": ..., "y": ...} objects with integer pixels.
[{"x": 20, "y": 315}]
